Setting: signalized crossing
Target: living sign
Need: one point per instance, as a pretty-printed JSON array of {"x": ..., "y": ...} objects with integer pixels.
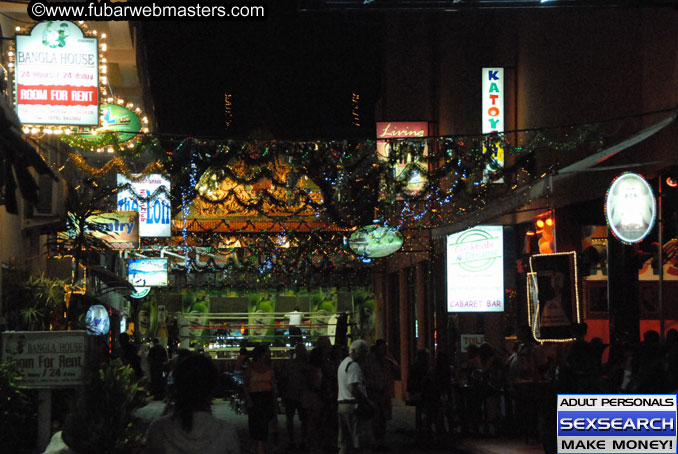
[{"x": 47, "y": 359}]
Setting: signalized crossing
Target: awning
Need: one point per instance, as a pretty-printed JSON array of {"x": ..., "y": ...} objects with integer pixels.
[
  {"x": 110, "y": 279},
  {"x": 521, "y": 204}
]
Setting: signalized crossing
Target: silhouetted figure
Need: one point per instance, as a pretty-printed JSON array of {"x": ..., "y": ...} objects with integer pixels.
[
  {"x": 379, "y": 370},
  {"x": 294, "y": 385},
  {"x": 419, "y": 380},
  {"x": 130, "y": 355},
  {"x": 157, "y": 360},
  {"x": 191, "y": 428},
  {"x": 260, "y": 397}
]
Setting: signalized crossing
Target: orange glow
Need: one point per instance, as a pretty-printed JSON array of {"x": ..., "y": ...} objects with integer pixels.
[
  {"x": 540, "y": 224},
  {"x": 549, "y": 222},
  {"x": 672, "y": 182},
  {"x": 529, "y": 233}
]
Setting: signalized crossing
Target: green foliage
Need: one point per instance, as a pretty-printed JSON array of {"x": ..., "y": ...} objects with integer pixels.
[
  {"x": 34, "y": 301},
  {"x": 18, "y": 411},
  {"x": 102, "y": 419}
]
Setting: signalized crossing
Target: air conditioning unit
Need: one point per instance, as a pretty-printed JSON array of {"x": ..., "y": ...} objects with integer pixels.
[{"x": 51, "y": 194}]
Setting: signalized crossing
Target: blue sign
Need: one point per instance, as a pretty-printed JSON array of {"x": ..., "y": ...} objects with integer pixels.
[{"x": 611, "y": 423}]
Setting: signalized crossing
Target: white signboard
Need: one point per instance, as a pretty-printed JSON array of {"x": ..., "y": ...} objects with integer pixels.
[
  {"x": 47, "y": 359},
  {"x": 150, "y": 197},
  {"x": 475, "y": 270},
  {"x": 471, "y": 339},
  {"x": 147, "y": 272},
  {"x": 493, "y": 100},
  {"x": 630, "y": 208},
  {"x": 56, "y": 79}
]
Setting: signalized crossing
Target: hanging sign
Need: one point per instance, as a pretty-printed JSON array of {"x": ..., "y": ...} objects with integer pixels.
[
  {"x": 375, "y": 241},
  {"x": 47, "y": 359},
  {"x": 56, "y": 79},
  {"x": 150, "y": 197},
  {"x": 630, "y": 208},
  {"x": 553, "y": 293},
  {"x": 409, "y": 170},
  {"x": 147, "y": 272},
  {"x": 140, "y": 292},
  {"x": 119, "y": 119},
  {"x": 118, "y": 229},
  {"x": 97, "y": 320},
  {"x": 493, "y": 116},
  {"x": 475, "y": 270}
]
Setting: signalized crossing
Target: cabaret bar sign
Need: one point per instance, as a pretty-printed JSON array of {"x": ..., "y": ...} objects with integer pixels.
[
  {"x": 493, "y": 100},
  {"x": 56, "y": 79}
]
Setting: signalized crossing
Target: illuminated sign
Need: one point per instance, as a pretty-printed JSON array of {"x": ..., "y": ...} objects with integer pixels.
[
  {"x": 475, "y": 270},
  {"x": 375, "y": 241},
  {"x": 97, "y": 320},
  {"x": 410, "y": 171},
  {"x": 56, "y": 79},
  {"x": 118, "y": 229},
  {"x": 630, "y": 208},
  {"x": 119, "y": 119},
  {"x": 553, "y": 296},
  {"x": 140, "y": 292},
  {"x": 493, "y": 100},
  {"x": 147, "y": 272},
  {"x": 150, "y": 197}
]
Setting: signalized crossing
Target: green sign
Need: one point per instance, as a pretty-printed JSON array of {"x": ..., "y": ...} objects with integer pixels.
[
  {"x": 375, "y": 241},
  {"x": 116, "y": 119}
]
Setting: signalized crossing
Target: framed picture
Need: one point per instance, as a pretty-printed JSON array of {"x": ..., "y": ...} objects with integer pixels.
[{"x": 595, "y": 299}]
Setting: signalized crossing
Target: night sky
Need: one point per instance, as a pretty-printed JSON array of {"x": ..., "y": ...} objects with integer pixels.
[{"x": 291, "y": 76}]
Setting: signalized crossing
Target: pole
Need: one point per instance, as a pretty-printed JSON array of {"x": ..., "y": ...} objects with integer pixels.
[
  {"x": 44, "y": 418},
  {"x": 660, "y": 240}
]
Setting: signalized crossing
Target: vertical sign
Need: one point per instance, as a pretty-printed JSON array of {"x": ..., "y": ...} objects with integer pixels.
[
  {"x": 409, "y": 166},
  {"x": 493, "y": 100},
  {"x": 57, "y": 76},
  {"x": 475, "y": 270},
  {"x": 150, "y": 197}
]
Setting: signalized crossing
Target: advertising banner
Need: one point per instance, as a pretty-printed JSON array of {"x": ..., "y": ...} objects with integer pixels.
[
  {"x": 150, "y": 197},
  {"x": 616, "y": 423},
  {"x": 57, "y": 76},
  {"x": 475, "y": 270},
  {"x": 555, "y": 296},
  {"x": 261, "y": 314},
  {"x": 47, "y": 359}
]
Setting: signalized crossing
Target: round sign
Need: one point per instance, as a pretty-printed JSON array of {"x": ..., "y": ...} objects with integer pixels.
[
  {"x": 630, "y": 208},
  {"x": 375, "y": 241},
  {"x": 118, "y": 119},
  {"x": 140, "y": 292},
  {"x": 97, "y": 320}
]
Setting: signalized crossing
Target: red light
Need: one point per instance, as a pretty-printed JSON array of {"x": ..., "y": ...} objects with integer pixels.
[
  {"x": 672, "y": 182},
  {"x": 540, "y": 224}
]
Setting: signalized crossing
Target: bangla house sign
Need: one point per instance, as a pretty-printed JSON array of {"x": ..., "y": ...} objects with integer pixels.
[
  {"x": 409, "y": 166},
  {"x": 56, "y": 79}
]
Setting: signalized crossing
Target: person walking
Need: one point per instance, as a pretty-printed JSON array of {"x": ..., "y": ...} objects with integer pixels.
[
  {"x": 379, "y": 370},
  {"x": 260, "y": 397},
  {"x": 191, "y": 428},
  {"x": 294, "y": 385},
  {"x": 351, "y": 392},
  {"x": 157, "y": 360}
]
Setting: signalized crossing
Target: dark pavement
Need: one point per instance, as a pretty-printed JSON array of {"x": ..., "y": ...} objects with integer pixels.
[{"x": 400, "y": 437}]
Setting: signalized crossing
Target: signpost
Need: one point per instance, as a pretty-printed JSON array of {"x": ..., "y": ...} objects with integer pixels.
[{"x": 47, "y": 360}]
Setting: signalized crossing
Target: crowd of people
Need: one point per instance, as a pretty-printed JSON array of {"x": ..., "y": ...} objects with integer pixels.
[{"x": 342, "y": 395}]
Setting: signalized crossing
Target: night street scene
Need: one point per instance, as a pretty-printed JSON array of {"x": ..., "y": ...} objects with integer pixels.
[{"x": 338, "y": 226}]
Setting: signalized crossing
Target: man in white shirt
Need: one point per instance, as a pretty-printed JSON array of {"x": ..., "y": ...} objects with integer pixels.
[
  {"x": 351, "y": 391},
  {"x": 295, "y": 321}
]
